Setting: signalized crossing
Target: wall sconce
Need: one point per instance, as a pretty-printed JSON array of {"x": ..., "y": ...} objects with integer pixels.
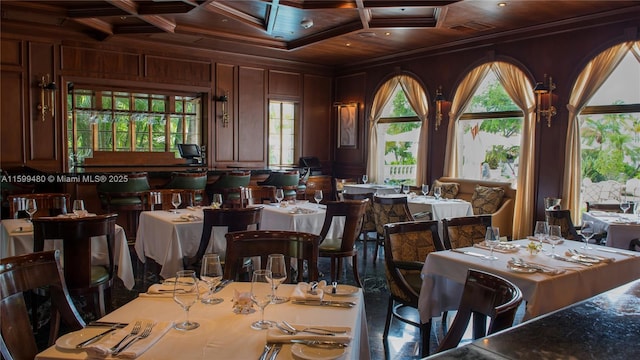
[
  {"x": 47, "y": 97},
  {"x": 224, "y": 99},
  {"x": 544, "y": 88},
  {"x": 439, "y": 100}
]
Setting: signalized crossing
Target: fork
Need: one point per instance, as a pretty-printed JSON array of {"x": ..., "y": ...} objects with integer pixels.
[
  {"x": 134, "y": 332},
  {"x": 311, "y": 330},
  {"x": 276, "y": 349},
  {"x": 143, "y": 335}
]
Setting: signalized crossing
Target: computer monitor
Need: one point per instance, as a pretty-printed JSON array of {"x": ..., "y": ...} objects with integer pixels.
[{"x": 189, "y": 151}]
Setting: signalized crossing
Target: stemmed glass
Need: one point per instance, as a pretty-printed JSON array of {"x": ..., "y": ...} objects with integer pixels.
[
  {"x": 624, "y": 206},
  {"x": 279, "y": 196},
  {"x": 425, "y": 189},
  {"x": 541, "y": 231},
  {"x": 555, "y": 235},
  {"x": 216, "y": 203},
  {"x": 437, "y": 192},
  {"x": 405, "y": 189},
  {"x": 185, "y": 294},
  {"x": 176, "y": 200},
  {"x": 492, "y": 238},
  {"x": 78, "y": 208},
  {"x": 365, "y": 178},
  {"x": 32, "y": 207},
  {"x": 211, "y": 273},
  {"x": 317, "y": 196},
  {"x": 278, "y": 267},
  {"x": 587, "y": 232},
  {"x": 261, "y": 295}
]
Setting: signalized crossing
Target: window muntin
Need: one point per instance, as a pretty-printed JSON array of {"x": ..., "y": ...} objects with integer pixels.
[
  {"x": 489, "y": 134},
  {"x": 282, "y": 131},
  {"x": 610, "y": 137},
  {"x": 105, "y": 120}
]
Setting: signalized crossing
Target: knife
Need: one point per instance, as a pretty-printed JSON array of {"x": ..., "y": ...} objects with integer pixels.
[
  {"x": 615, "y": 251},
  {"x": 107, "y": 324},
  {"x": 469, "y": 253},
  {"x": 95, "y": 338},
  {"x": 320, "y": 343},
  {"x": 343, "y": 304},
  {"x": 222, "y": 284}
]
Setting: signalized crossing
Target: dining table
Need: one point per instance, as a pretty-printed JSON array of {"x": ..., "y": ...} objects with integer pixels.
[
  {"x": 167, "y": 236},
  {"x": 16, "y": 237},
  {"x": 605, "y": 326},
  {"x": 564, "y": 281},
  {"x": 225, "y": 333},
  {"x": 620, "y": 228}
]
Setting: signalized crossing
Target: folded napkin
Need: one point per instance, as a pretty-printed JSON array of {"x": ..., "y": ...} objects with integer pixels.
[
  {"x": 583, "y": 256},
  {"x": 165, "y": 289},
  {"x": 502, "y": 247},
  {"x": 187, "y": 218},
  {"x": 301, "y": 291},
  {"x": 299, "y": 210},
  {"x": 102, "y": 348},
  {"x": 276, "y": 335},
  {"x": 22, "y": 229},
  {"x": 544, "y": 240}
]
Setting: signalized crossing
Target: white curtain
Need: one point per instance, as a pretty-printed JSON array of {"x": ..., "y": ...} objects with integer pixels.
[
  {"x": 418, "y": 101},
  {"x": 589, "y": 81},
  {"x": 520, "y": 90},
  {"x": 461, "y": 100}
]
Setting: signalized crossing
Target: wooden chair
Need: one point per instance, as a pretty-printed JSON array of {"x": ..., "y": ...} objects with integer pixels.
[
  {"x": 82, "y": 277},
  {"x": 49, "y": 204},
  {"x": 368, "y": 223},
  {"x": 407, "y": 245},
  {"x": 292, "y": 244},
  {"x": 337, "y": 249},
  {"x": 464, "y": 231},
  {"x": 287, "y": 180},
  {"x": 189, "y": 180},
  {"x": 260, "y": 194},
  {"x": 233, "y": 219},
  {"x": 320, "y": 182},
  {"x": 563, "y": 218},
  {"x": 484, "y": 295},
  {"x": 126, "y": 199},
  {"x": 229, "y": 180},
  {"x": 233, "y": 198},
  {"x": 21, "y": 274},
  {"x": 339, "y": 183},
  {"x": 388, "y": 209}
]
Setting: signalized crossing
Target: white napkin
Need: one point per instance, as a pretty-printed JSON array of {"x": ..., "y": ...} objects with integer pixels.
[
  {"x": 165, "y": 289},
  {"x": 102, "y": 348},
  {"x": 544, "y": 240},
  {"x": 500, "y": 247},
  {"x": 187, "y": 218},
  {"x": 301, "y": 292},
  {"x": 276, "y": 335}
]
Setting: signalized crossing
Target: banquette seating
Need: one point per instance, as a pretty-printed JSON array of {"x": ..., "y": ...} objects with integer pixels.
[
  {"x": 287, "y": 180},
  {"x": 194, "y": 181}
]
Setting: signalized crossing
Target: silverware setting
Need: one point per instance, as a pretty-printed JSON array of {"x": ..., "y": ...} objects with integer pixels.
[
  {"x": 342, "y": 304},
  {"x": 145, "y": 333},
  {"x": 311, "y": 330},
  {"x": 541, "y": 268},
  {"x": 276, "y": 350},
  {"x": 96, "y": 338},
  {"x": 265, "y": 352},
  {"x": 134, "y": 331}
]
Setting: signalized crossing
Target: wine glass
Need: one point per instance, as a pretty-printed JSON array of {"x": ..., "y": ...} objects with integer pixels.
[
  {"x": 624, "y": 206},
  {"x": 216, "y": 203},
  {"x": 365, "y": 178},
  {"x": 541, "y": 231},
  {"x": 261, "y": 295},
  {"x": 278, "y": 267},
  {"x": 587, "y": 232},
  {"x": 491, "y": 239},
  {"x": 437, "y": 192},
  {"x": 176, "y": 200},
  {"x": 185, "y": 294},
  {"x": 555, "y": 235},
  {"x": 425, "y": 189},
  {"x": 279, "y": 196},
  {"x": 32, "y": 207},
  {"x": 405, "y": 189},
  {"x": 317, "y": 196},
  {"x": 211, "y": 273},
  {"x": 78, "y": 208}
]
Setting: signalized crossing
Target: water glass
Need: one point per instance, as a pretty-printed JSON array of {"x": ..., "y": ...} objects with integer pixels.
[
  {"x": 261, "y": 295},
  {"x": 185, "y": 294},
  {"x": 78, "y": 208},
  {"x": 216, "y": 202},
  {"x": 555, "y": 236},
  {"x": 624, "y": 206},
  {"x": 279, "y": 195},
  {"x": 437, "y": 192},
  {"x": 587, "y": 232},
  {"x": 317, "y": 196},
  {"x": 277, "y": 265},
  {"x": 32, "y": 208},
  {"x": 491, "y": 239},
  {"x": 365, "y": 178},
  {"x": 176, "y": 200},
  {"x": 211, "y": 273},
  {"x": 541, "y": 231},
  {"x": 425, "y": 189},
  {"x": 405, "y": 189}
]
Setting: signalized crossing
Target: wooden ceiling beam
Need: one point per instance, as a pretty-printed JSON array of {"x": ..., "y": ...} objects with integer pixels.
[
  {"x": 221, "y": 35},
  {"x": 97, "y": 24},
  {"x": 235, "y": 14},
  {"x": 406, "y": 3},
  {"x": 324, "y": 35},
  {"x": 319, "y": 5},
  {"x": 131, "y": 7}
]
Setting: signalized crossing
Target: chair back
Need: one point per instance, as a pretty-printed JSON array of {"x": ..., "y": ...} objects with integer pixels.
[
  {"x": 160, "y": 199},
  {"x": 20, "y": 274},
  {"x": 187, "y": 180},
  {"x": 320, "y": 182},
  {"x": 127, "y": 195},
  {"x": 233, "y": 198},
  {"x": 353, "y": 211},
  {"x": 369, "y": 223},
  {"x": 484, "y": 295},
  {"x": 49, "y": 204},
  {"x": 563, "y": 218},
  {"x": 234, "y": 219},
  {"x": 464, "y": 231},
  {"x": 292, "y": 244},
  {"x": 232, "y": 180},
  {"x": 81, "y": 276},
  {"x": 390, "y": 209},
  {"x": 260, "y": 194},
  {"x": 287, "y": 180}
]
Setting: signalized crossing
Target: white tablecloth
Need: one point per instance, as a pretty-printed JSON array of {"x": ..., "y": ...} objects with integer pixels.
[
  {"x": 290, "y": 218},
  {"x": 225, "y": 335},
  {"x": 16, "y": 242},
  {"x": 444, "y": 274},
  {"x": 620, "y": 228}
]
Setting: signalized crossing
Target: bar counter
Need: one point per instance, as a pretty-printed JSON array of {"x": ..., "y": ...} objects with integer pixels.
[{"x": 606, "y": 326}]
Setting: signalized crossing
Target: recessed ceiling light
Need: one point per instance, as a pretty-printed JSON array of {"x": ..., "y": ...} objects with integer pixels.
[
  {"x": 348, "y": 44},
  {"x": 502, "y": 4},
  {"x": 387, "y": 33},
  {"x": 367, "y": 34}
]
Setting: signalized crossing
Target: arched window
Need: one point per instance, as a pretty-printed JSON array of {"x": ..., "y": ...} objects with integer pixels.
[{"x": 397, "y": 127}]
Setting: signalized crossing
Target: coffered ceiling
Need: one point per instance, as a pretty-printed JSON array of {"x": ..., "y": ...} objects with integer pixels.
[{"x": 329, "y": 32}]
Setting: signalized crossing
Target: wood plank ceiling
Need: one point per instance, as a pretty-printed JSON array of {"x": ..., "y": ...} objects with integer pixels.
[{"x": 329, "y": 32}]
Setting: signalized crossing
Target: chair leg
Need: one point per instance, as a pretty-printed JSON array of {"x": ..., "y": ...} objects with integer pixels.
[
  {"x": 356, "y": 275},
  {"x": 387, "y": 323},
  {"x": 333, "y": 269},
  {"x": 365, "y": 239},
  {"x": 425, "y": 338},
  {"x": 375, "y": 252}
]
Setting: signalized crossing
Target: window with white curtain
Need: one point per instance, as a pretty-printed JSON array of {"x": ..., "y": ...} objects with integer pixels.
[{"x": 282, "y": 132}]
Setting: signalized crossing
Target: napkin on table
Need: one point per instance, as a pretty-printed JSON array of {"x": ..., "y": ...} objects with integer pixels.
[
  {"x": 301, "y": 291},
  {"x": 500, "y": 247},
  {"x": 276, "y": 335},
  {"x": 533, "y": 238},
  {"x": 165, "y": 289},
  {"x": 102, "y": 348}
]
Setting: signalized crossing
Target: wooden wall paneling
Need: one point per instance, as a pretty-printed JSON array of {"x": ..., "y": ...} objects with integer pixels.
[
  {"x": 252, "y": 115},
  {"x": 12, "y": 120},
  {"x": 223, "y": 135},
  {"x": 84, "y": 61},
  {"x": 11, "y": 54},
  {"x": 351, "y": 88},
  {"x": 170, "y": 68},
  {"x": 284, "y": 83},
  {"x": 316, "y": 126}
]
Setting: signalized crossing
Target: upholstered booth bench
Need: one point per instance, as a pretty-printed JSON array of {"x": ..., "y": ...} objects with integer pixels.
[{"x": 486, "y": 197}]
